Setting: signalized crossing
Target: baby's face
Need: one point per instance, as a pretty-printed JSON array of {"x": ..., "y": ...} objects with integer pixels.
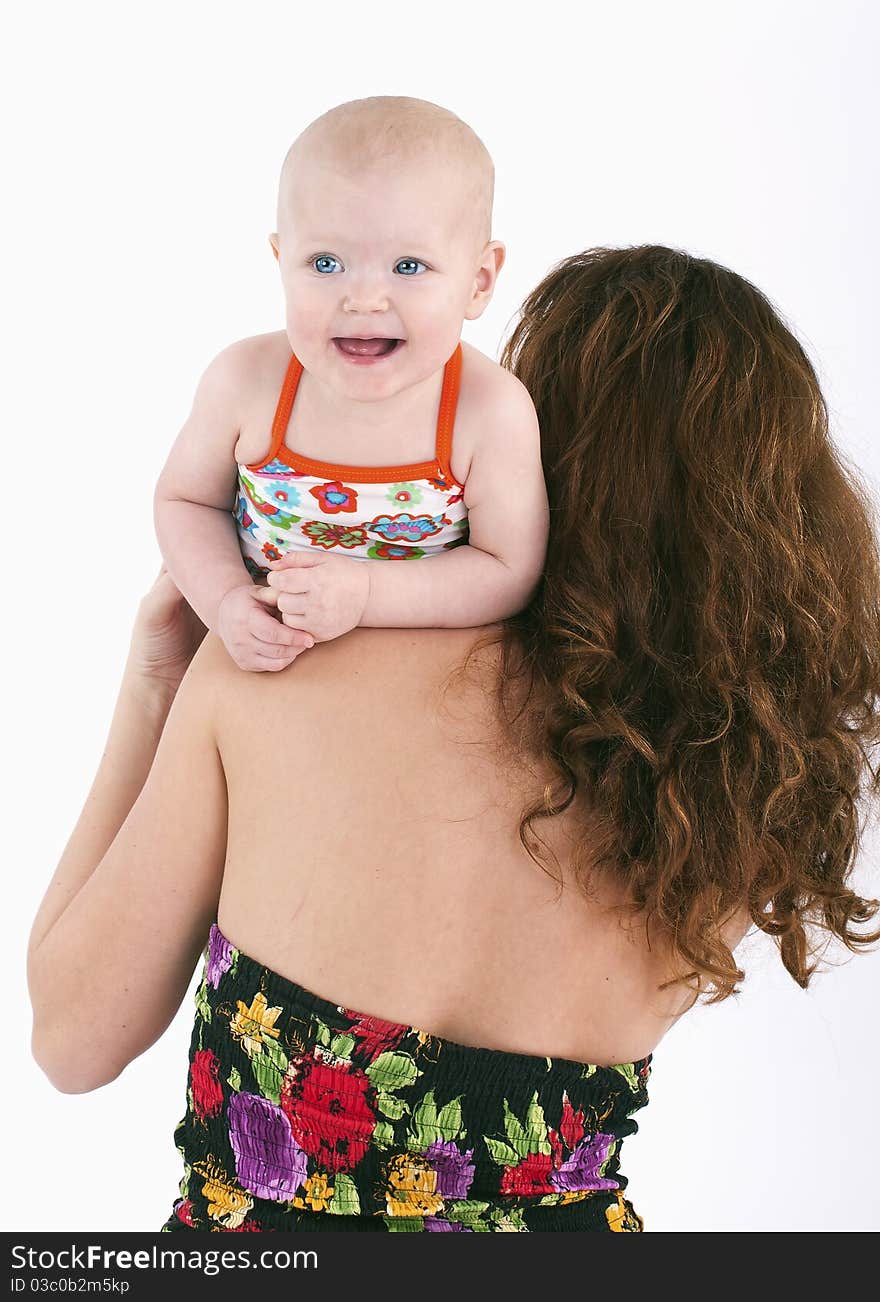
[{"x": 386, "y": 252}]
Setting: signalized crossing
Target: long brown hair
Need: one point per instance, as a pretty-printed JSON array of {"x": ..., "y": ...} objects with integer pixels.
[{"x": 703, "y": 651}]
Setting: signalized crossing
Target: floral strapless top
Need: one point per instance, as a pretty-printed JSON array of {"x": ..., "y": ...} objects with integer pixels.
[{"x": 304, "y": 1114}]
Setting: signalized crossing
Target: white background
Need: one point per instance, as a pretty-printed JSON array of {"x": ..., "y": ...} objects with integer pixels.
[{"x": 144, "y": 144}]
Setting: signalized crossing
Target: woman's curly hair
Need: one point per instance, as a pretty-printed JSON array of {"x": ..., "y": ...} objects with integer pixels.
[{"x": 703, "y": 651}]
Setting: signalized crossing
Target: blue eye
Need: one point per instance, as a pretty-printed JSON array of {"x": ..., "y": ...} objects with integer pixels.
[{"x": 328, "y": 258}]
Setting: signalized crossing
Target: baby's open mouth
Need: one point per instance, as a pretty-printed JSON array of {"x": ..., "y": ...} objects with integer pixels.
[{"x": 368, "y": 347}]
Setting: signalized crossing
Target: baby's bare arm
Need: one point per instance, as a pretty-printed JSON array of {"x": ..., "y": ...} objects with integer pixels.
[
  {"x": 494, "y": 575},
  {"x": 195, "y": 492}
]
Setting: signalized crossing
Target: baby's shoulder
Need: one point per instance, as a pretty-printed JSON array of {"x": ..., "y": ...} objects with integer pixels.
[
  {"x": 252, "y": 363},
  {"x": 488, "y": 384},
  {"x": 494, "y": 403},
  {"x": 253, "y": 370}
]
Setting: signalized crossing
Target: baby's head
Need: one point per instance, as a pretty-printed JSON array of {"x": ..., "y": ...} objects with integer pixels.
[{"x": 384, "y": 225}]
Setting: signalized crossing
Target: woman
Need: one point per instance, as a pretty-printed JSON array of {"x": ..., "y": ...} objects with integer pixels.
[{"x": 403, "y": 1023}]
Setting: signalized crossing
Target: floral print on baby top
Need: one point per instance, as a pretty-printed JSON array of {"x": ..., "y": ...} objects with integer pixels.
[
  {"x": 368, "y": 512},
  {"x": 306, "y": 1115}
]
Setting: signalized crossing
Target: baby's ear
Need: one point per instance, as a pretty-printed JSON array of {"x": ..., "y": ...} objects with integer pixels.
[{"x": 273, "y": 240}]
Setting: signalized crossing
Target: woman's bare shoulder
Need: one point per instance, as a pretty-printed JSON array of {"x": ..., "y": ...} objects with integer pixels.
[{"x": 364, "y": 659}]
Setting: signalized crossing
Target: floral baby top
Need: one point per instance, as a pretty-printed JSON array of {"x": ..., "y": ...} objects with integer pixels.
[
  {"x": 303, "y": 1114},
  {"x": 368, "y": 512}
]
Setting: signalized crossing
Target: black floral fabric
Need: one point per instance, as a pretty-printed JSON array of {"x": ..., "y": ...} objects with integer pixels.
[{"x": 305, "y": 1115}]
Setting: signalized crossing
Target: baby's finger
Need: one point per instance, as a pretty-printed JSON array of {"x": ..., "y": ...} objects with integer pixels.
[
  {"x": 297, "y": 622},
  {"x": 265, "y": 664},
  {"x": 268, "y": 596},
  {"x": 271, "y": 631},
  {"x": 289, "y": 581},
  {"x": 294, "y": 604}
]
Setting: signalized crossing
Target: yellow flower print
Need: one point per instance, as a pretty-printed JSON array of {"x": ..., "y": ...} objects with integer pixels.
[
  {"x": 252, "y": 1025},
  {"x": 227, "y": 1204},
  {"x": 623, "y": 1217},
  {"x": 317, "y": 1193},
  {"x": 411, "y": 1187}
]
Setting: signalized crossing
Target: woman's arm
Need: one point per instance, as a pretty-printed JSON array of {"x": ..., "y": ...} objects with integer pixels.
[{"x": 117, "y": 936}]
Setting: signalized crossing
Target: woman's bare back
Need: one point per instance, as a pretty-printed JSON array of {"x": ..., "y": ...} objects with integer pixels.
[{"x": 373, "y": 856}]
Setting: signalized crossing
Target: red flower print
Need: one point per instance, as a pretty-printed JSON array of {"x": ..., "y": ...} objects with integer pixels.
[
  {"x": 335, "y": 497},
  {"x": 374, "y": 1035},
  {"x": 530, "y": 1176},
  {"x": 572, "y": 1126},
  {"x": 272, "y": 553},
  {"x": 266, "y": 508},
  {"x": 183, "y": 1212},
  {"x": 243, "y": 1228},
  {"x": 328, "y": 1112},
  {"x": 206, "y": 1088}
]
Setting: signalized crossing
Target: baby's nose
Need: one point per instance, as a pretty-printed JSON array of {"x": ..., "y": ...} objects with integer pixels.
[{"x": 366, "y": 296}]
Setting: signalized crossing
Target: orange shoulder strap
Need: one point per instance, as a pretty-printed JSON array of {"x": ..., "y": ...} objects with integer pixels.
[{"x": 446, "y": 414}]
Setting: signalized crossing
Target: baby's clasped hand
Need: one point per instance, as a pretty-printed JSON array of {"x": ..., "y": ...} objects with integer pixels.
[
  {"x": 324, "y": 596},
  {"x": 253, "y": 635}
]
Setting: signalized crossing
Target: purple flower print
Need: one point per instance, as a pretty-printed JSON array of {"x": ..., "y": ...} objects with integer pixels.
[
  {"x": 219, "y": 956},
  {"x": 455, "y": 1171},
  {"x": 268, "y": 1160},
  {"x": 434, "y": 1223},
  {"x": 581, "y": 1169}
]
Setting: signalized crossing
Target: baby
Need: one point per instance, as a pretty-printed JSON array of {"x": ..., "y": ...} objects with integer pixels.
[{"x": 367, "y": 433}]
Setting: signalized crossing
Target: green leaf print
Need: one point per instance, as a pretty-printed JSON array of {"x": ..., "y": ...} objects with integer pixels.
[
  {"x": 531, "y": 1140},
  {"x": 391, "y": 1071},
  {"x": 404, "y": 1224},
  {"x": 515, "y": 1133},
  {"x": 233, "y": 1080},
  {"x": 342, "y": 1045},
  {"x": 449, "y": 1119},
  {"x": 383, "y": 1134},
  {"x": 628, "y": 1072},
  {"x": 323, "y": 1036},
  {"x": 537, "y": 1126},
  {"x": 509, "y": 1218},
  {"x": 276, "y": 1055},
  {"x": 269, "y": 1077},
  {"x": 202, "y": 1000},
  {"x": 423, "y": 1126},
  {"x": 345, "y": 1201},
  {"x": 391, "y": 1105},
  {"x": 501, "y": 1152},
  {"x": 467, "y": 1211}
]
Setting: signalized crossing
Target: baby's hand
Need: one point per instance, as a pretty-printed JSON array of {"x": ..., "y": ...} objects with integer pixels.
[
  {"x": 253, "y": 636},
  {"x": 319, "y": 594}
]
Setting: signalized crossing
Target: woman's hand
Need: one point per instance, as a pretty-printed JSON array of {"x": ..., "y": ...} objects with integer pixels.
[{"x": 166, "y": 635}]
